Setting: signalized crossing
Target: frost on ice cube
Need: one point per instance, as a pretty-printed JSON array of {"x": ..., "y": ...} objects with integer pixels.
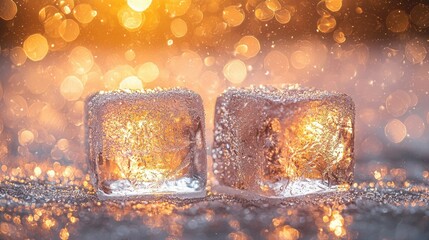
[
  {"x": 283, "y": 142},
  {"x": 146, "y": 143}
]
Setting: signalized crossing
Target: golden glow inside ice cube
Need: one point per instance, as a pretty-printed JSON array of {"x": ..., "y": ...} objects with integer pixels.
[
  {"x": 283, "y": 142},
  {"x": 141, "y": 145},
  {"x": 314, "y": 143}
]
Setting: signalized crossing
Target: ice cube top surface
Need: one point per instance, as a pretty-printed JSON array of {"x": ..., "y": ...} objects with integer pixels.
[
  {"x": 283, "y": 142},
  {"x": 147, "y": 143}
]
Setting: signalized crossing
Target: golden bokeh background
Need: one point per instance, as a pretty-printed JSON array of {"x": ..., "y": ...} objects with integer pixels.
[{"x": 54, "y": 53}]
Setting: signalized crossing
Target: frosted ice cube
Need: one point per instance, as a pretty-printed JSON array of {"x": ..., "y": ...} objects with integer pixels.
[
  {"x": 146, "y": 143},
  {"x": 283, "y": 142}
]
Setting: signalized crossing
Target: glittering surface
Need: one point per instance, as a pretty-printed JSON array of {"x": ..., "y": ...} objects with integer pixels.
[
  {"x": 370, "y": 211},
  {"x": 283, "y": 142},
  {"x": 55, "y": 53}
]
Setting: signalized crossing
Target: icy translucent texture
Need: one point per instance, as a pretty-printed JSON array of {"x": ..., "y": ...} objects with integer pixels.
[
  {"x": 147, "y": 143},
  {"x": 283, "y": 142}
]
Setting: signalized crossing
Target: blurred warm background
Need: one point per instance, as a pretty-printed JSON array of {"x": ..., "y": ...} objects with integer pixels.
[{"x": 54, "y": 53}]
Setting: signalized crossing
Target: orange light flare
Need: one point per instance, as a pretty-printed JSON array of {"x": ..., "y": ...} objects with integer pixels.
[
  {"x": 284, "y": 232},
  {"x": 158, "y": 215},
  {"x": 333, "y": 223}
]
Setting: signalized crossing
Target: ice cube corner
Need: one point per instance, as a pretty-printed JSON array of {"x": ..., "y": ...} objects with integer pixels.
[
  {"x": 282, "y": 142},
  {"x": 146, "y": 143}
]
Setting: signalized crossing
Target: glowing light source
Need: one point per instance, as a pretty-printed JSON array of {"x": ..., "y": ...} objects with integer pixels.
[
  {"x": 51, "y": 18},
  {"x": 130, "y": 19},
  {"x": 176, "y": 8},
  {"x": 148, "y": 72},
  {"x": 284, "y": 232},
  {"x": 263, "y": 12},
  {"x": 235, "y": 71},
  {"x": 273, "y": 5},
  {"x": 300, "y": 59},
  {"x": 334, "y": 5},
  {"x": 131, "y": 82},
  {"x": 233, "y": 15},
  {"x": 283, "y": 16},
  {"x": 36, "y": 47},
  {"x": 397, "y": 21},
  {"x": 66, "y": 6},
  {"x": 71, "y": 88},
  {"x": 81, "y": 60},
  {"x": 397, "y": 103},
  {"x": 339, "y": 36},
  {"x": 139, "y": 5},
  {"x": 26, "y": 137},
  {"x": 37, "y": 171},
  {"x": 326, "y": 24},
  {"x": 18, "y": 56},
  {"x": 64, "y": 234},
  {"x": 276, "y": 63},
  {"x": 8, "y": 9},
  {"x": 415, "y": 126},
  {"x": 84, "y": 13},
  {"x": 248, "y": 46},
  {"x": 178, "y": 27},
  {"x": 69, "y": 30},
  {"x": 395, "y": 131}
]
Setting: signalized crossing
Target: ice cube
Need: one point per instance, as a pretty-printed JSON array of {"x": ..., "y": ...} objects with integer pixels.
[
  {"x": 146, "y": 143},
  {"x": 283, "y": 142}
]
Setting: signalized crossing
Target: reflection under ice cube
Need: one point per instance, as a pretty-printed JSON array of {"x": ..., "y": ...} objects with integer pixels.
[
  {"x": 283, "y": 142},
  {"x": 147, "y": 143}
]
